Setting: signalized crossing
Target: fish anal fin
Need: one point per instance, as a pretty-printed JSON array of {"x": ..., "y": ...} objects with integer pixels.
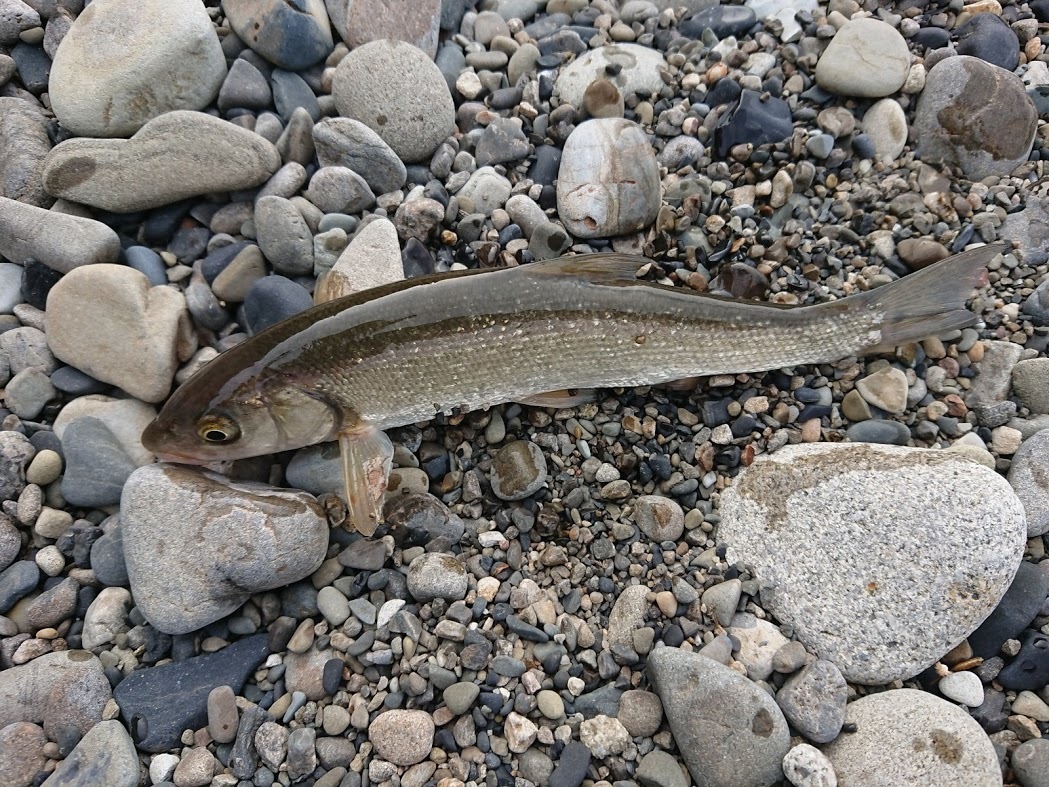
[
  {"x": 595, "y": 268},
  {"x": 684, "y": 385},
  {"x": 367, "y": 456},
  {"x": 562, "y": 400}
]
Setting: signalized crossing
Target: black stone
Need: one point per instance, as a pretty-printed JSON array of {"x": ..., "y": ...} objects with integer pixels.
[
  {"x": 738, "y": 280},
  {"x": 147, "y": 262},
  {"x": 189, "y": 244},
  {"x": 526, "y": 630},
  {"x": 572, "y": 765},
  {"x": 1029, "y": 670},
  {"x": 75, "y": 382},
  {"x": 37, "y": 281},
  {"x": 216, "y": 262},
  {"x": 160, "y": 702},
  {"x": 989, "y": 38},
  {"x": 290, "y": 92},
  {"x": 15, "y": 581},
  {"x": 1014, "y": 612},
  {"x": 244, "y": 759},
  {"x": 34, "y": 67},
  {"x": 714, "y": 412},
  {"x": 602, "y": 701},
  {"x": 725, "y": 91},
  {"x": 546, "y": 163},
  {"x": 885, "y": 432},
  {"x": 723, "y": 20},
  {"x": 272, "y": 299},
  {"x": 931, "y": 37},
  {"x": 332, "y": 676},
  {"x": 46, "y": 439},
  {"x": 107, "y": 559},
  {"x": 416, "y": 259},
  {"x": 753, "y": 121},
  {"x": 161, "y": 223},
  {"x": 1040, "y": 9},
  {"x": 990, "y": 714}
]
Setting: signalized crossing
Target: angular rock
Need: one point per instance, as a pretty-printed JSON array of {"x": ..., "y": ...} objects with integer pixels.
[
  {"x": 158, "y": 703},
  {"x": 437, "y": 575},
  {"x": 813, "y": 700},
  {"x": 608, "y": 183},
  {"x": 197, "y": 545},
  {"x": 108, "y": 322},
  {"x": 361, "y": 21},
  {"x": 24, "y": 144},
  {"x": 630, "y": 67},
  {"x": 105, "y": 755},
  {"x": 758, "y": 119},
  {"x": 729, "y": 731},
  {"x": 886, "y": 124},
  {"x": 931, "y": 742},
  {"x": 176, "y": 155},
  {"x": 371, "y": 259},
  {"x": 345, "y": 142},
  {"x": 55, "y": 690},
  {"x": 124, "y": 63},
  {"x": 291, "y": 35},
  {"x": 59, "y": 240},
  {"x": 974, "y": 116},
  {"x": 927, "y": 563}
]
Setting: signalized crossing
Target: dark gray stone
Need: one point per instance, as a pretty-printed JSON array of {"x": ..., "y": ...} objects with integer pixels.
[{"x": 96, "y": 464}]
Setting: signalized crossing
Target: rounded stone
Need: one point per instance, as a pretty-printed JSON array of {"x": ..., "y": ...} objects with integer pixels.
[
  {"x": 660, "y": 518},
  {"x": 122, "y": 64},
  {"x": 403, "y": 737},
  {"x": 1029, "y": 480},
  {"x": 931, "y": 741},
  {"x": 963, "y": 687},
  {"x": 395, "y": 90},
  {"x": 518, "y": 470},
  {"x": 608, "y": 182},
  {"x": 866, "y": 58},
  {"x": 630, "y": 68},
  {"x": 437, "y": 575},
  {"x": 886, "y": 124}
]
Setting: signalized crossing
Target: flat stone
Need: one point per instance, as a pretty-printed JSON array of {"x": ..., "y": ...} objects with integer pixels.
[
  {"x": 1031, "y": 384},
  {"x": 396, "y": 90},
  {"x": 518, "y": 470},
  {"x": 96, "y": 309},
  {"x": 290, "y": 35},
  {"x": 759, "y": 641},
  {"x": 403, "y": 737},
  {"x": 484, "y": 192},
  {"x": 372, "y": 259},
  {"x": 124, "y": 418},
  {"x": 630, "y": 67},
  {"x": 641, "y": 712},
  {"x": 572, "y": 765},
  {"x": 867, "y": 58},
  {"x": 362, "y": 21},
  {"x": 24, "y": 144},
  {"x": 124, "y": 63},
  {"x": 595, "y": 200},
  {"x": 177, "y": 155},
  {"x": 660, "y": 518},
  {"x": 1030, "y": 481},
  {"x": 950, "y": 529},
  {"x": 158, "y": 703},
  {"x": 756, "y": 119},
  {"x": 974, "y": 116},
  {"x": 345, "y": 142},
  {"x": 931, "y": 741},
  {"x": 284, "y": 236},
  {"x": 197, "y": 545},
  {"x": 729, "y": 731},
  {"x": 59, "y": 240},
  {"x": 55, "y": 690},
  {"x": 105, "y": 755}
]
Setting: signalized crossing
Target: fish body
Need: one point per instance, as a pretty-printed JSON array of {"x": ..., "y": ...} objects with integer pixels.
[{"x": 402, "y": 353}]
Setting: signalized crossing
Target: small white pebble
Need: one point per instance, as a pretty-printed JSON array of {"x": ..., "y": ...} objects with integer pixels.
[
  {"x": 50, "y": 560},
  {"x": 807, "y": 766},
  {"x": 964, "y": 687},
  {"x": 45, "y": 468},
  {"x": 162, "y": 768}
]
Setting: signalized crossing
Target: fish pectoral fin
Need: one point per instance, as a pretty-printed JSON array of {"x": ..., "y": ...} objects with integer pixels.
[
  {"x": 595, "y": 268},
  {"x": 367, "y": 456},
  {"x": 562, "y": 399}
]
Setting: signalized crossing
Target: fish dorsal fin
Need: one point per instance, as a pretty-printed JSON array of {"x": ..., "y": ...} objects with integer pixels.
[{"x": 595, "y": 268}]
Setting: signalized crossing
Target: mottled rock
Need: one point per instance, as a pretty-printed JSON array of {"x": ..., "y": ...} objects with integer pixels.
[
  {"x": 21, "y": 751},
  {"x": 436, "y": 575},
  {"x": 345, "y": 142},
  {"x": 291, "y": 35},
  {"x": 1030, "y": 481},
  {"x": 55, "y": 690},
  {"x": 518, "y": 470},
  {"x": 105, "y": 755},
  {"x": 361, "y": 21},
  {"x": 886, "y": 124},
  {"x": 403, "y": 737},
  {"x": 24, "y": 144},
  {"x": 629, "y": 67},
  {"x": 813, "y": 700}
]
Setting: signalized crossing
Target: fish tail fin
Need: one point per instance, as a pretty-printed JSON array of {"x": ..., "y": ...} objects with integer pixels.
[{"x": 929, "y": 302}]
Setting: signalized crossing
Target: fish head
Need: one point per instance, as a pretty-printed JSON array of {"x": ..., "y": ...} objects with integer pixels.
[{"x": 215, "y": 418}]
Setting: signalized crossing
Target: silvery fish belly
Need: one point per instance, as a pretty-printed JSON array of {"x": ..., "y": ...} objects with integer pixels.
[{"x": 347, "y": 369}]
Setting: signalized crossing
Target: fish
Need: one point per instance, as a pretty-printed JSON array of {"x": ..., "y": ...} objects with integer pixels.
[{"x": 401, "y": 353}]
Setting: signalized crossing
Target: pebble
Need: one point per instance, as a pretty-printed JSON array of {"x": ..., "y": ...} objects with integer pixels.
[
  {"x": 989, "y": 38},
  {"x": 345, "y": 142},
  {"x": 146, "y": 695},
  {"x": 105, "y": 755},
  {"x": 403, "y": 737},
  {"x": 60, "y": 241},
  {"x": 993, "y": 382},
  {"x": 21, "y": 753},
  {"x": 553, "y": 707},
  {"x": 885, "y": 389},
  {"x": 333, "y": 605},
  {"x": 394, "y": 89},
  {"x": 145, "y": 322},
  {"x": 660, "y": 769},
  {"x": 722, "y": 599},
  {"x": 1028, "y": 480},
  {"x": 24, "y": 143},
  {"x": 595, "y": 200},
  {"x": 15, "y": 453},
  {"x": 572, "y": 765},
  {"x": 55, "y": 690},
  {"x": 1029, "y": 669},
  {"x": 176, "y": 155},
  {"x": 728, "y": 730},
  {"x": 371, "y": 259},
  {"x": 604, "y": 736},
  {"x": 962, "y": 687},
  {"x": 436, "y": 575},
  {"x": 339, "y": 190},
  {"x": 123, "y": 63},
  {"x": 723, "y": 21},
  {"x": 245, "y": 87},
  {"x": 640, "y": 712},
  {"x": 272, "y": 299},
  {"x": 518, "y": 470},
  {"x": 886, "y": 124},
  {"x": 807, "y": 766},
  {"x": 28, "y": 392},
  {"x": 759, "y": 641},
  {"x": 520, "y": 732},
  {"x": 660, "y": 518},
  {"x": 972, "y": 509},
  {"x": 460, "y": 697},
  {"x": 1017, "y": 608},
  {"x": 218, "y": 542},
  {"x": 632, "y": 68},
  {"x": 974, "y": 116},
  {"x": 223, "y": 716},
  {"x": 1030, "y": 380},
  {"x": 289, "y": 35},
  {"x": 1030, "y": 762},
  {"x": 284, "y": 236},
  {"x": 867, "y": 58},
  {"x": 932, "y": 742},
  {"x": 885, "y": 432},
  {"x": 813, "y": 700},
  {"x": 17, "y": 17}
]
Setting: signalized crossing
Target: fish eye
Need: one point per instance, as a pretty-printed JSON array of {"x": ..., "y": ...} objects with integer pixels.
[{"x": 214, "y": 428}]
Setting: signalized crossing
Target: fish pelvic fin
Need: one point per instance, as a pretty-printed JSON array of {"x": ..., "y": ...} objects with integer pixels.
[
  {"x": 929, "y": 302},
  {"x": 561, "y": 399},
  {"x": 367, "y": 456}
]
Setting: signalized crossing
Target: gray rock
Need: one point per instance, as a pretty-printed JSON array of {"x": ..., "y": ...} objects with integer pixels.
[
  {"x": 595, "y": 200},
  {"x": 502, "y": 141},
  {"x": 345, "y": 142},
  {"x": 95, "y": 308},
  {"x": 813, "y": 701},
  {"x": 729, "y": 730},
  {"x": 291, "y": 94},
  {"x": 436, "y": 575},
  {"x": 15, "y": 453},
  {"x": 867, "y": 58},
  {"x": 759, "y": 641},
  {"x": 660, "y": 518},
  {"x": 236, "y": 279},
  {"x": 974, "y": 116},
  {"x": 721, "y": 600},
  {"x": 995, "y": 373},
  {"x": 403, "y": 737},
  {"x": 660, "y": 769},
  {"x": 518, "y": 470},
  {"x": 302, "y": 753},
  {"x": 339, "y": 190},
  {"x": 55, "y": 690},
  {"x": 10, "y": 542},
  {"x": 271, "y": 741},
  {"x": 931, "y": 742},
  {"x": 16, "y": 17},
  {"x": 1030, "y": 380},
  {"x": 628, "y": 614},
  {"x": 1029, "y": 227},
  {"x": 886, "y": 124},
  {"x": 26, "y": 348},
  {"x": 284, "y": 236},
  {"x": 197, "y": 545},
  {"x": 1030, "y": 762},
  {"x": 397, "y": 91},
  {"x": 630, "y": 67},
  {"x": 125, "y": 418},
  {"x": 964, "y": 687},
  {"x": 107, "y": 618},
  {"x": 296, "y": 141},
  {"x": 105, "y": 755},
  {"x": 371, "y": 259},
  {"x": 640, "y": 712},
  {"x": 459, "y": 697},
  {"x": 176, "y": 155},
  {"x": 16, "y": 581},
  {"x": 424, "y": 515},
  {"x": 223, "y": 716},
  {"x": 291, "y": 35},
  {"x": 54, "y": 605},
  {"x": 21, "y": 747},
  {"x": 58, "y": 240},
  {"x": 1029, "y": 480},
  {"x": 23, "y": 146},
  {"x": 27, "y": 393},
  {"x": 485, "y": 191},
  {"x": 951, "y": 530},
  {"x": 10, "y": 293},
  {"x": 121, "y": 65},
  {"x": 245, "y": 87},
  {"x": 362, "y": 21}
]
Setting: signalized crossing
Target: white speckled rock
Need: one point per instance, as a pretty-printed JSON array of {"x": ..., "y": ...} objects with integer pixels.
[
  {"x": 908, "y": 736},
  {"x": 636, "y": 71},
  {"x": 177, "y": 155},
  {"x": 198, "y": 545},
  {"x": 403, "y": 737},
  {"x": 124, "y": 62},
  {"x": 107, "y": 321},
  {"x": 437, "y": 575},
  {"x": 1030, "y": 481},
  {"x": 608, "y": 182},
  {"x": 964, "y": 687},
  {"x": 361, "y": 21},
  {"x": 882, "y": 558},
  {"x": 867, "y": 58},
  {"x": 807, "y": 766}
]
